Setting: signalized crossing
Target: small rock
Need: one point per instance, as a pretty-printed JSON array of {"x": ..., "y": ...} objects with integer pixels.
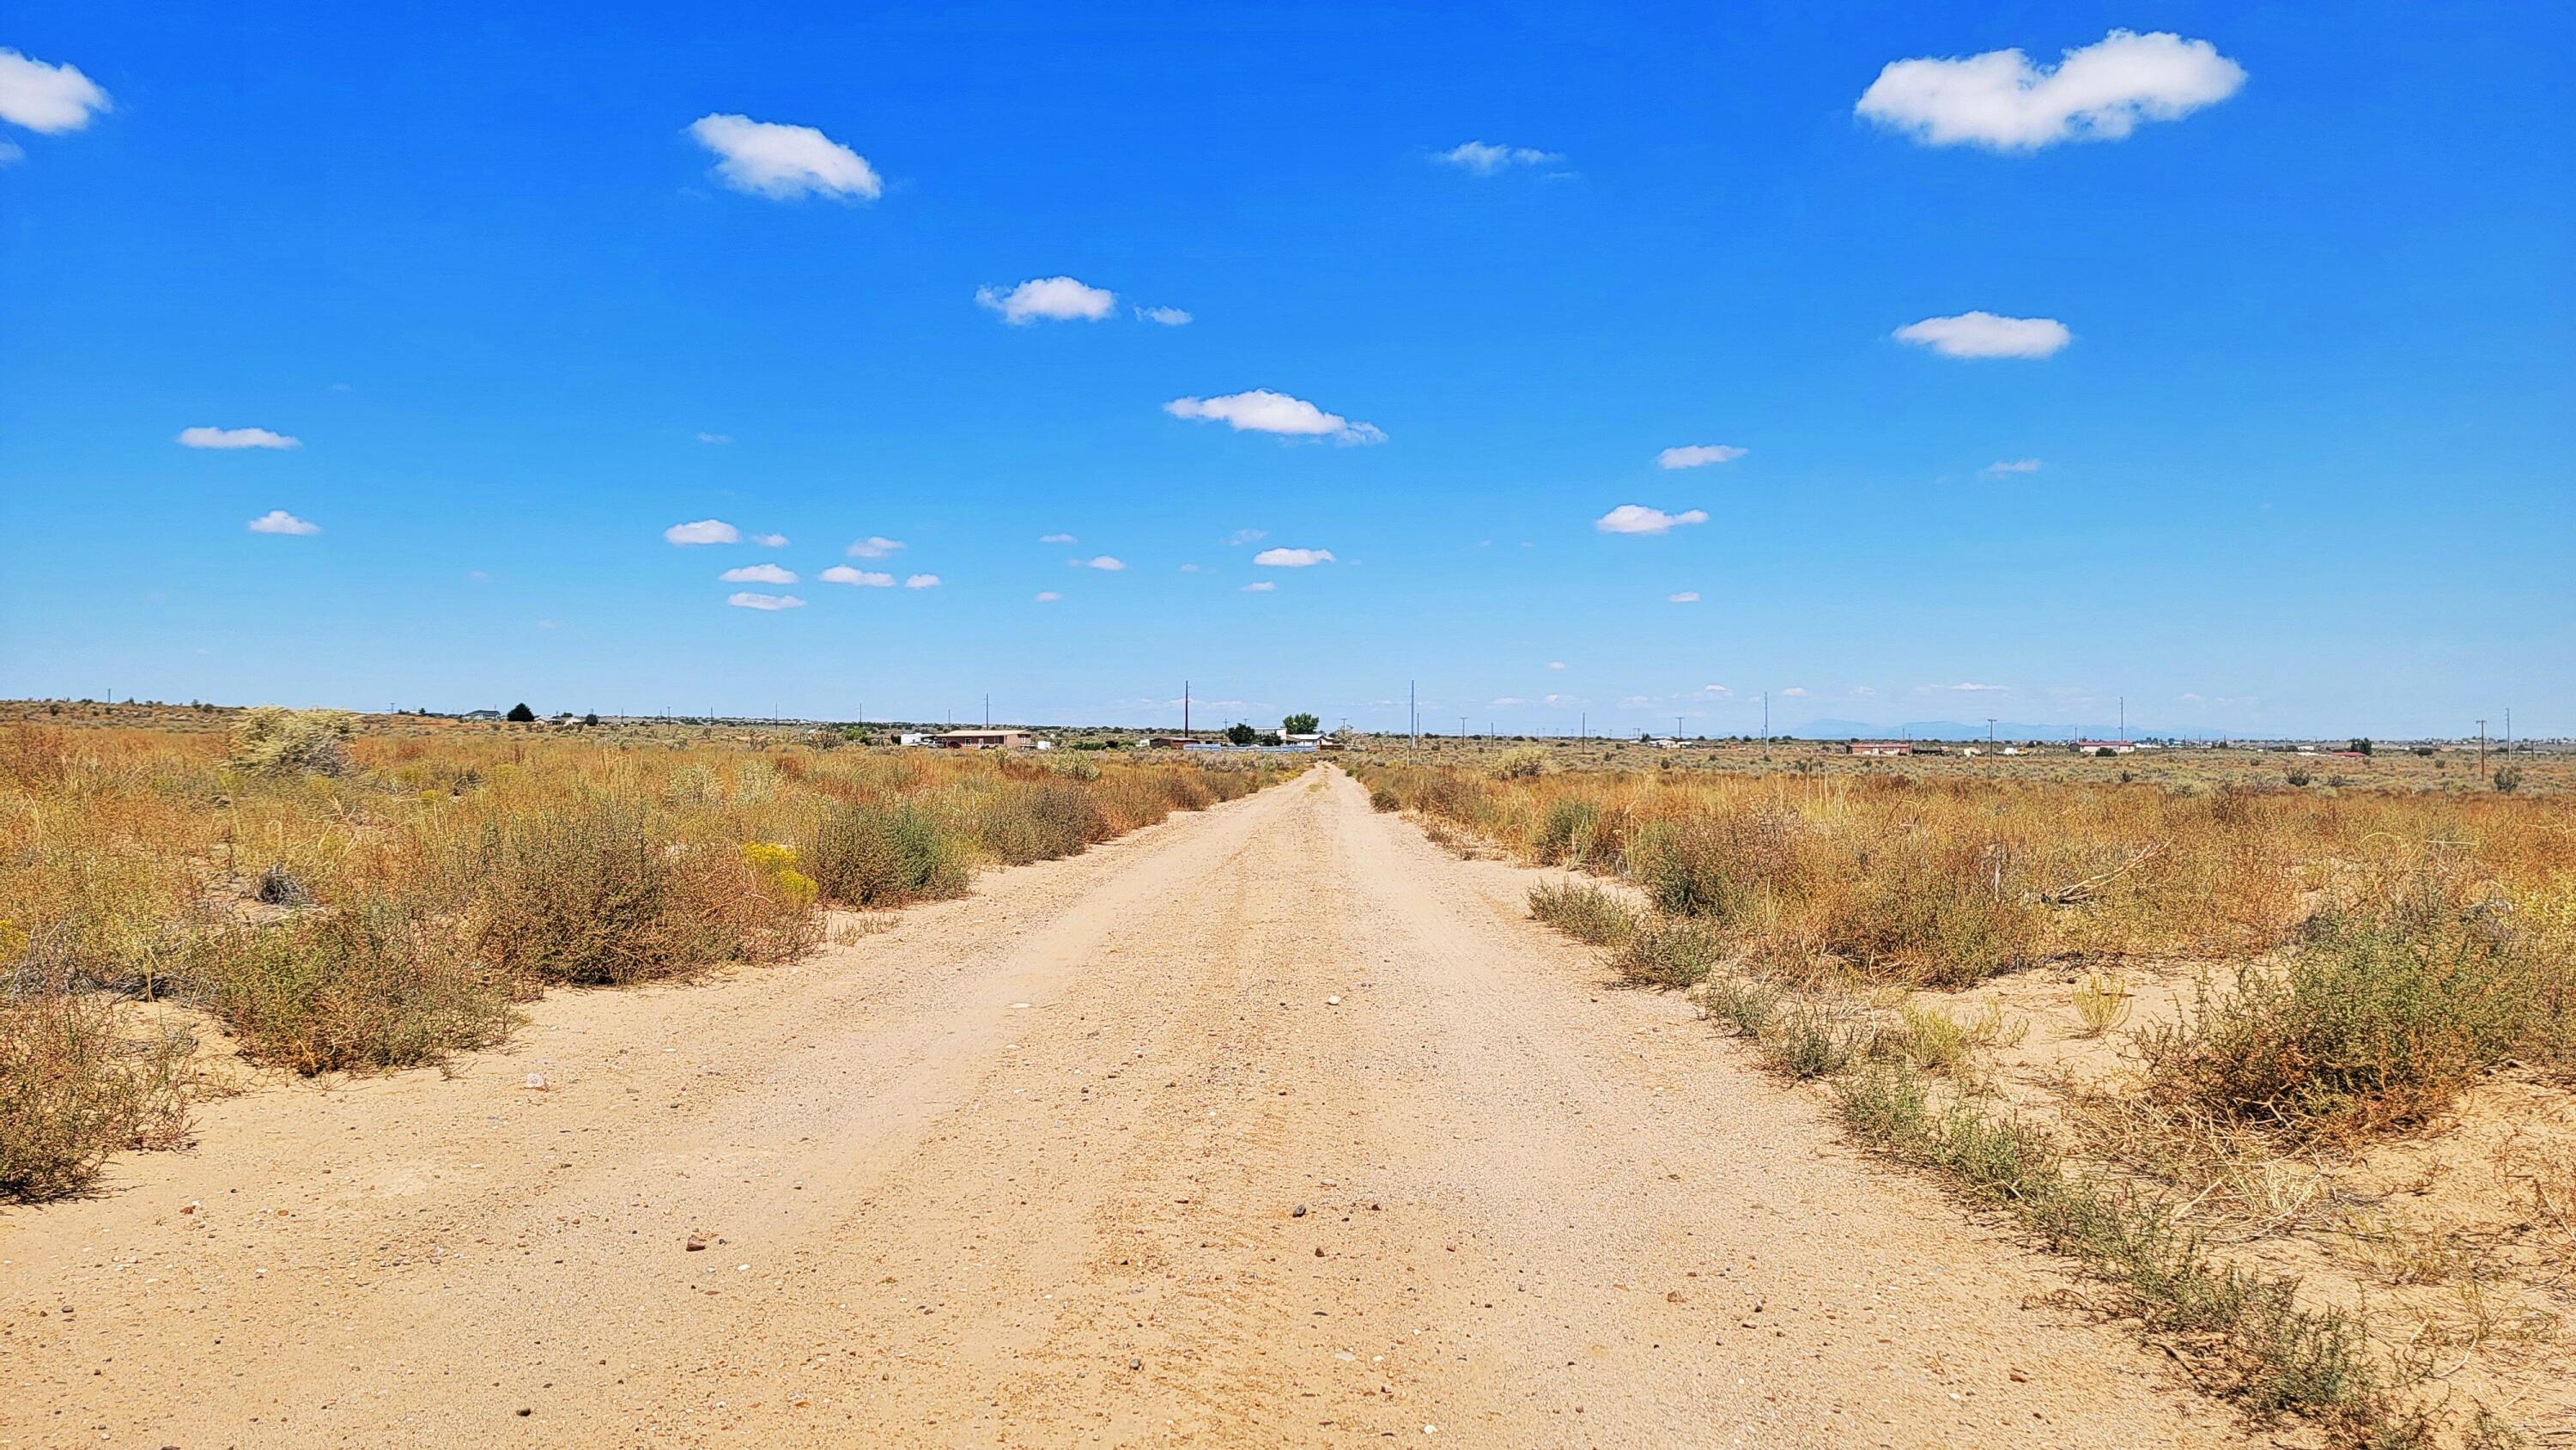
[
  {"x": 1135, "y": 1364},
  {"x": 2019, "y": 1378},
  {"x": 696, "y": 1244},
  {"x": 525, "y": 1412},
  {"x": 1332, "y": 1001},
  {"x": 537, "y": 1083},
  {"x": 1298, "y": 1212}
]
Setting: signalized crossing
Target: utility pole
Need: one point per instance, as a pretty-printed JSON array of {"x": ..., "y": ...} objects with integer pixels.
[
  {"x": 988, "y": 709},
  {"x": 2124, "y": 719},
  {"x": 1412, "y": 719},
  {"x": 1766, "y": 724},
  {"x": 1185, "y": 710},
  {"x": 1462, "y": 729},
  {"x": 2482, "y": 747},
  {"x": 1990, "y": 732}
]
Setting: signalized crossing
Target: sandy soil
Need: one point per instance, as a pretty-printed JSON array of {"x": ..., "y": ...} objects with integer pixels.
[{"x": 1028, "y": 1169}]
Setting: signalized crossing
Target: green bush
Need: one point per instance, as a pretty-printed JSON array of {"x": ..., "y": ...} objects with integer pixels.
[
  {"x": 365, "y": 988},
  {"x": 1584, "y": 912},
  {"x": 876, "y": 855},
  {"x": 593, "y": 895},
  {"x": 1671, "y": 952},
  {"x": 1565, "y": 832}
]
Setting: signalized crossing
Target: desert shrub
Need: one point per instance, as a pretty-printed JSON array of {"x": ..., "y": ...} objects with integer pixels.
[
  {"x": 365, "y": 988},
  {"x": 1382, "y": 798},
  {"x": 1527, "y": 762},
  {"x": 877, "y": 855},
  {"x": 2371, "y": 1024},
  {"x": 2101, "y": 1002},
  {"x": 1041, "y": 823},
  {"x": 1711, "y": 866},
  {"x": 1670, "y": 952},
  {"x": 1813, "y": 1038},
  {"x": 269, "y": 740},
  {"x": 2508, "y": 779},
  {"x": 75, "y": 1088},
  {"x": 1584, "y": 912},
  {"x": 1564, "y": 834},
  {"x": 590, "y": 893},
  {"x": 1939, "y": 910}
]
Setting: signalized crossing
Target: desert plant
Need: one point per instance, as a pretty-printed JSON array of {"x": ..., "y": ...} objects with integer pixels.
[
  {"x": 269, "y": 740},
  {"x": 1670, "y": 952},
  {"x": 364, "y": 988},
  {"x": 1584, "y": 912},
  {"x": 74, "y": 1088},
  {"x": 872, "y": 856},
  {"x": 2101, "y": 1002}
]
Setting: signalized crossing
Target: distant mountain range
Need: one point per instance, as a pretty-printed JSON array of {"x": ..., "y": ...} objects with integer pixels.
[{"x": 2003, "y": 730}]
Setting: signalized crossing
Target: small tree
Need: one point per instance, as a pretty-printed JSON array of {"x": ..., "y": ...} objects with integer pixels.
[
  {"x": 591, "y": 718},
  {"x": 1301, "y": 723},
  {"x": 520, "y": 714},
  {"x": 1241, "y": 734},
  {"x": 2361, "y": 747}
]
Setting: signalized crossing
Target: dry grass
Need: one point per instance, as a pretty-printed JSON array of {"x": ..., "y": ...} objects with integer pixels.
[{"x": 343, "y": 900}]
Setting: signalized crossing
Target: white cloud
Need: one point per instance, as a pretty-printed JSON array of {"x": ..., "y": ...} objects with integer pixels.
[
  {"x": 1983, "y": 334},
  {"x": 1863, "y": 691},
  {"x": 1561, "y": 700},
  {"x": 1055, "y": 538},
  {"x": 1048, "y": 596},
  {"x": 1687, "y": 596},
  {"x": 1104, "y": 562},
  {"x": 1165, "y": 316},
  {"x": 781, "y": 162},
  {"x": 1189, "y": 568},
  {"x": 51, "y": 99},
  {"x": 1556, "y": 664},
  {"x": 770, "y": 541},
  {"x": 844, "y": 574},
  {"x": 235, "y": 438},
  {"x": 757, "y": 574},
  {"x": 1972, "y": 688},
  {"x": 1048, "y": 299},
  {"x": 1263, "y": 411},
  {"x": 704, "y": 531},
  {"x": 279, "y": 521},
  {"x": 1293, "y": 558},
  {"x": 874, "y": 547},
  {"x": 1263, "y": 587},
  {"x": 1698, "y": 455},
  {"x": 1507, "y": 700},
  {"x": 1244, "y": 536},
  {"x": 921, "y": 581},
  {"x": 2001, "y": 467},
  {"x": 1482, "y": 158},
  {"x": 1794, "y": 692},
  {"x": 12, "y": 153},
  {"x": 715, "y": 438},
  {"x": 1636, "y": 518},
  {"x": 748, "y": 600},
  {"x": 1714, "y": 690},
  {"x": 2099, "y": 92}
]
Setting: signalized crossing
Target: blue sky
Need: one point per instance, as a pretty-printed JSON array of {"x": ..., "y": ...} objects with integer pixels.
[{"x": 2297, "y": 460}]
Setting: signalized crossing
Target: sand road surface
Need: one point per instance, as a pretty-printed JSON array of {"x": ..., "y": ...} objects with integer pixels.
[{"x": 1092, "y": 1157}]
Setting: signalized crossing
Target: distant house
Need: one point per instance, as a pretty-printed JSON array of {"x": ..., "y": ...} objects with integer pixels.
[
  {"x": 984, "y": 740},
  {"x": 1879, "y": 747},
  {"x": 2106, "y": 747},
  {"x": 911, "y": 737},
  {"x": 481, "y": 715}
]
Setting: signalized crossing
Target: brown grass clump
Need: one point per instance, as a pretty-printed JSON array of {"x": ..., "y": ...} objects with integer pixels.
[
  {"x": 75, "y": 1087},
  {"x": 358, "y": 990},
  {"x": 1584, "y": 912}
]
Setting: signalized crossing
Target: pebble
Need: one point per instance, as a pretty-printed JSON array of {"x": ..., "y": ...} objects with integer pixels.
[
  {"x": 1332, "y": 1001},
  {"x": 1298, "y": 1212}
]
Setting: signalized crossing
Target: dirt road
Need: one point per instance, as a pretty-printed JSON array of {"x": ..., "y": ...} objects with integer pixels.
[{"x": 1028, "y": 1169}]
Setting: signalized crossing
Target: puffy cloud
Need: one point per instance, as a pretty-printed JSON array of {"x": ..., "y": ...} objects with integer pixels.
[
  {"x": 2001, "y": 467},
  {"x": 1055, "y": 538},
  {"x": 1983, "y": 334},
  {"x": 704, "y": 531},
  {"x": 1048, "y": 299},
  {"x": 748, "y": 600},
  {"x": 1189, "y": 568},
  {"x": 770, "y": 541},
  {"x": 2099, "y": 92},
  {"x": 235, "y": 438},
  {"x": 1687, "y": 596},
  {"x": 874, "y": 547},
  {"x": 1107, "y": 564},
  {"x": 1165, "y": 316},
  {"x": 1714, "y": 690},
  {"x": 1972, "y": 688},
  {"x": 51, "y": 99},
  {"x": 279, "y": 521},
  {"x": 782, "y": 162},
  {"x": 844, "y": 574},
  {"x": 1507, "y": 700},
  {"x": 1293, "y": 558},
  {"x": 757, "y": 574},
  {"x": 1048, "y": 596},
  {"x": 1263, "y": 411},
  {"x": 1636, "y": 518},
  {"x": 921, "y": 581},
  {"x": 1482, "y": 158},
  {"x": 1698, "y": 455},
  {"x": 1561, "y": 700},
  {"x": 1262, "y": 587},
  {"x": 1556, "y": 664},
  {"x": 715, "y": 438},
  {"x": 1794, "y": 692},
  {"x": 1244, "y": 536}
]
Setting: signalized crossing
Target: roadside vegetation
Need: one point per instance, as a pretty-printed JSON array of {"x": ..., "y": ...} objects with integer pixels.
[
  {"x": 2243, "y": 1169},
  {"x": 334, "y": 901}
]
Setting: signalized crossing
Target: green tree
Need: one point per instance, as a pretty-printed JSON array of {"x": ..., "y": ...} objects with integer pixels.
[
  {"x": 1301, "y": 723},
  {"x": 520, "y": 714},
  {"x": 1241, "y": 734}
]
